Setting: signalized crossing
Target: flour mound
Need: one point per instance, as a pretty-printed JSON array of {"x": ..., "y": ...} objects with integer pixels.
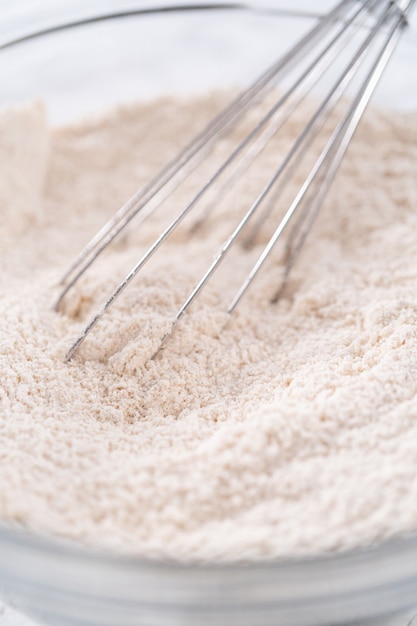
[{"x": 287, "y": 429}]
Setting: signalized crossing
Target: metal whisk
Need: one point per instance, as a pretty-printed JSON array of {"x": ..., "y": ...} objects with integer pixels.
[{"x": 347, "y": 51}]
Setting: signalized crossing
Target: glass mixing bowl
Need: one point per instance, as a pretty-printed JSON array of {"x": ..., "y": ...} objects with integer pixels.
[{"x": 78, "y": 64}]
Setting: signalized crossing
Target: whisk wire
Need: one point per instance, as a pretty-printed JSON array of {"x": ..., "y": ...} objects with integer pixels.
[{"x": 315, "y": 186}]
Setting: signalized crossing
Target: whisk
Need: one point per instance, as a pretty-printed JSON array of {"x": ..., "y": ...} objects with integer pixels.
[{"x": 347, "y": 51}]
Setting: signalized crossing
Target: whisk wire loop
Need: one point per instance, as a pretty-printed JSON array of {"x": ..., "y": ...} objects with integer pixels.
[{"x": 390, "y": 18}]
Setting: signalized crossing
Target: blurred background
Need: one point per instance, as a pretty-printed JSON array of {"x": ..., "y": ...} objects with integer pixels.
[{"x": 85, "y": 69}]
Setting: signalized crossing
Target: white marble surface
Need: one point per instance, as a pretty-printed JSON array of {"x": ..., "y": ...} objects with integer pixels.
[{"x": 34, "y": 11}]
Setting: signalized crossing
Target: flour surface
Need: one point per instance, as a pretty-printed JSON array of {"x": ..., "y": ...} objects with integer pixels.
[{"x": 291, "y": 429}]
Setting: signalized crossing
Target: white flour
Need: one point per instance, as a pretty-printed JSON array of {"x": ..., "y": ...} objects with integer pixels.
[{"x": 292, "y": 430}]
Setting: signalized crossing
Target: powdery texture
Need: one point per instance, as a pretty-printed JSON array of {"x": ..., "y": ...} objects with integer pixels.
[{"x": 291, "y": 430}]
